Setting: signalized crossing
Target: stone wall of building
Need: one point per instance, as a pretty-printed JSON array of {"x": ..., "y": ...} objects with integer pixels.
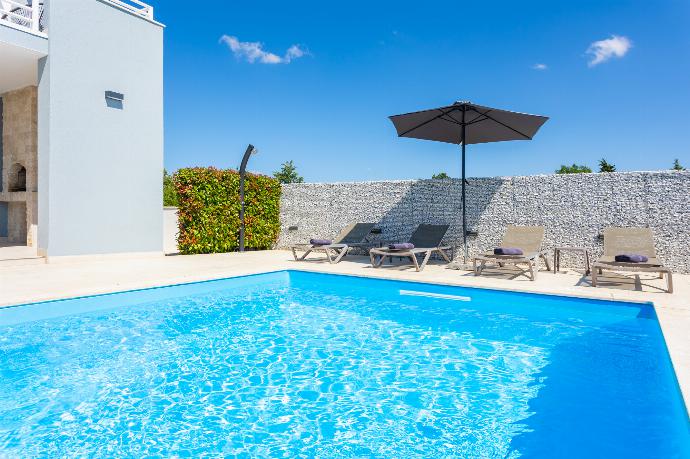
[
  {"x": 20, "y": 150},
  {"x": 574, "y": 209}
]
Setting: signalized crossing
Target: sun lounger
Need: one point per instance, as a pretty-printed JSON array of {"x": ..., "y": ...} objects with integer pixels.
[
  {"x": 352, "y": 236},
  {"x": 528, "y": 239},
  {"x": 426, "y": 240},
  {"x": 638, "y": 241}
]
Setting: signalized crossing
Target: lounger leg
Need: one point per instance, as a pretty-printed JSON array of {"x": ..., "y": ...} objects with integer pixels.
[
  {"x": 546, "y": 261},
  {"x": 482, "y": 265},
  {"x": 426, "y": 260},
  {"x": 328, "y": 255},
  {"x": 382, "y": 260},
  {"x": 413, "y": 257},
  {"x": 444, "y": 255},
  {"x": 294, "y": 254},
  {"x": 532, "y": 271},
  {"x": 335, "y": 254},
  {"x": 378, "y": 259},
  {"x": 343, "y": 252},
  {"x": 379, "y": 262},
  {"x": 669, "y": 280},
  {"x": 594, "y": 276}
]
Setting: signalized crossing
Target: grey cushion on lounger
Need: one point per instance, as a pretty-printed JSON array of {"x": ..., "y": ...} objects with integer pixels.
[
  {"x": 631, "y": 258},
  {"x": 401, "y": 246},
  {"x": 507, "y": 251}
]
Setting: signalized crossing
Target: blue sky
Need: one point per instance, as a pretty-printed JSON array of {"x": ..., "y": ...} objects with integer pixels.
[{"x": 328, "y": 74}]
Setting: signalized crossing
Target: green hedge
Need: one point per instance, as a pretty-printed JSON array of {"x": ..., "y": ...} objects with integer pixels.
[{"x": 209, "y": 210}]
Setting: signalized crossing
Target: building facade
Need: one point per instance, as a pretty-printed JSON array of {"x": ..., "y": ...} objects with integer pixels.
[{"x": 81, "y": 104}]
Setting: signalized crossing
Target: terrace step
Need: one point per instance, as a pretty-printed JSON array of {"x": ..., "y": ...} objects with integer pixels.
[
  {"x": 16, "y": 262},
  {"x": 13, "y": 256}
]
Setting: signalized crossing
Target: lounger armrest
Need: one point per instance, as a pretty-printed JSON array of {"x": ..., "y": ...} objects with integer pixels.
[{"x": 630, "y": 266}]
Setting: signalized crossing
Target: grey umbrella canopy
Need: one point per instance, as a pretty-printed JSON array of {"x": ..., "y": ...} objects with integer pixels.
[{"x": 465, "y": 123}]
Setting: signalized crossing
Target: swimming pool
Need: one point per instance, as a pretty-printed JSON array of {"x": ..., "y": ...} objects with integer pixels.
[{"x": 295, "y": 364}]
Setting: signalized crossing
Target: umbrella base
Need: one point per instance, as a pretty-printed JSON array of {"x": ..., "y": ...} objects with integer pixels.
[{"x": 461, "y": 266}]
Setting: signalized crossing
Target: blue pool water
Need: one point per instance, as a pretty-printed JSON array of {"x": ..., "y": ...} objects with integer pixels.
[{"x": 291, "y": 364}]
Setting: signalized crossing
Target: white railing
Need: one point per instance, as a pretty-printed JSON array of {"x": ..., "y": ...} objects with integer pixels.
[
  {"x": 23, "y": 15},
  {"x": 28, "y": 15},
  {"x": 136, "y": 7}
]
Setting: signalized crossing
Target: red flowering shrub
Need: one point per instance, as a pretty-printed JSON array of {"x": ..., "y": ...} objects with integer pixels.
[{"x": 209, "y": 210}]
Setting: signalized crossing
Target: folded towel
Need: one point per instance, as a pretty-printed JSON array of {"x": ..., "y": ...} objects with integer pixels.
[
  {"x": 631, "y": 258},
  {"x": 507, "y": 251},
  {"x": 401, "y": 246},
  {"x": 320, "y": 241}
]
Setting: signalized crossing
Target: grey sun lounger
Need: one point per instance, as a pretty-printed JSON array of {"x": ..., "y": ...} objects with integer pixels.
[
  {"x": 353, "y": 235},
  {"x": 529, "y": 239},
  {"x": 638, "y": 241},
  {"x": 426, "y": 239}
]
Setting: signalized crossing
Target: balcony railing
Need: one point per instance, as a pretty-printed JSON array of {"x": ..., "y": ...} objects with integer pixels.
[
  {"x": 136, "y": 7},
  {"x": 24, "y": 15},
  {"x": 29, "y": 15}
]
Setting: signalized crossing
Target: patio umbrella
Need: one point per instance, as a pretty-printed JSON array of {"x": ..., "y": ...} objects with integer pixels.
[{"x": 465, "y": 123}]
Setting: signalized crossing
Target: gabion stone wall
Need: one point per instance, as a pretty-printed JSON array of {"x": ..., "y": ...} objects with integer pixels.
[{"x": 574, "y": 208}]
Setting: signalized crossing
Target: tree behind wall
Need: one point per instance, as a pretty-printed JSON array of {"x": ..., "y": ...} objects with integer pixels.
[
  {"x": 288, "y": 173},
  {"x": 605, "y": 166},
  {"x": 169, "y": 192},
  {"x": 677, "y": 166},
  {"x": 574, "y": 169},
  {"x": 440, "y": 176}
]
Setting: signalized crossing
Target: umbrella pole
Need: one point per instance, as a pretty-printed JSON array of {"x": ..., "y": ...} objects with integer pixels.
[{"x": 464, "y": 213}]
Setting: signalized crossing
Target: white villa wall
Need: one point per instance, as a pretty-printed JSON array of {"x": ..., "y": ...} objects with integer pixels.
[
  {"x": 573, "y": 208},
  {"x": 170, "y": 229},
  {"x": 100, "y": 168}
]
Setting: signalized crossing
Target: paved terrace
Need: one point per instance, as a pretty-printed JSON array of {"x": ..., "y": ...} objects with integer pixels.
[{"x": 39, "y": 282}]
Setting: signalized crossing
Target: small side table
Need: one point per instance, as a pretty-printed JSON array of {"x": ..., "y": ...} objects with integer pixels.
[{"x": 557, "y": 257}]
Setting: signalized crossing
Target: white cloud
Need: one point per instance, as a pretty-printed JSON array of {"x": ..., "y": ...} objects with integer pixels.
[
  {"x": 603, "y": 50},
  {"x": 255, "y": 52},
  {"x": 540, "y": 67},
  {"x": 294, "y": 52}
]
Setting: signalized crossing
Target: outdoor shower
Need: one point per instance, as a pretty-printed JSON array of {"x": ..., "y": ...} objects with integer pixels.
[{"x": 243, "y": 171}]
